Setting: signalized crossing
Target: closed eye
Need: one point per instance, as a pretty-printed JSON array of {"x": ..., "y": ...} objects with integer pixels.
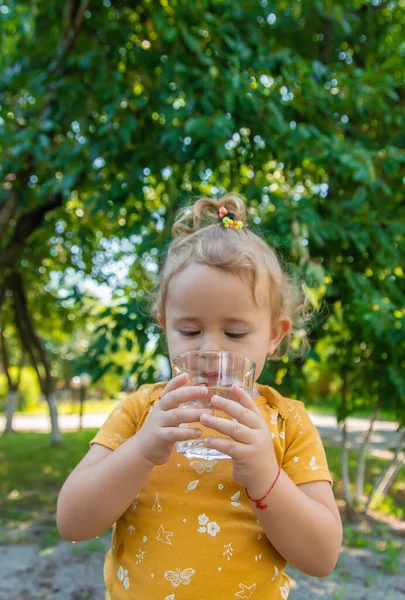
[{"x": 231, "y": 335}]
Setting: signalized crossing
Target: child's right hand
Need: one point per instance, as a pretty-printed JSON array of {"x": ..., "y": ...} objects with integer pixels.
[{"x": 161, "y": 430}]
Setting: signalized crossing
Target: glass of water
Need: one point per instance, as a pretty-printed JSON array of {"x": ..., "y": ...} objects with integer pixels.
[{"x": 218, "y": 371}]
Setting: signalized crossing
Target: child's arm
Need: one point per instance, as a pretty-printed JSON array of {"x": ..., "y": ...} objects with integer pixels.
[
  {"x": 100, "y": 490},
  {"x": 104, "y": 484},
  {"x": 302, "y": 522}
]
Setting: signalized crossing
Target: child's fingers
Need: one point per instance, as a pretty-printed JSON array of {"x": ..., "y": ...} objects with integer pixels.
[
  {"x": 175, "y": 383},
  {"x": 234, "y": 429},
  {"x": 245, "y": 399},
  {"x": 234, "y": 408},
  {"x": 175, "y": 397},
  {"x": 176, "y": 416},
  {"x": 180, "y": 434}
]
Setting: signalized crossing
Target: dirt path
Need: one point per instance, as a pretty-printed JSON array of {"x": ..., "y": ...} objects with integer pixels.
[{"x": 69, "y": 572}]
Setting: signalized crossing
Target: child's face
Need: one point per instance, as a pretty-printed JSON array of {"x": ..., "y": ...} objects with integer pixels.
[{"x": 210, "y": 309}]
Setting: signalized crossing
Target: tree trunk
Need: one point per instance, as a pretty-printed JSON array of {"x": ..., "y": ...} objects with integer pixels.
[
  {"x": 12, "y": 394},
  {"x": 11, "y": 406},
  {"x": 32, "y": 345},
  {"x": 383, "y": 483},
  {"x": 82, "y": 399},
  {"x": 345, "y": 452},
  {"x": 56, "y": 436},
  {"x": 361, "y": 465},
  {"x": 345, "y": 468}
]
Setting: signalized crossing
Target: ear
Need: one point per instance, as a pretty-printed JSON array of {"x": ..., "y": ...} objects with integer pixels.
[
  {"x": 278, "y": 332},
  {"x": 161, "y": 321}
]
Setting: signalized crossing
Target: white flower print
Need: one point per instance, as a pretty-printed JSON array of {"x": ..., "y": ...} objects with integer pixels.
[
  {"x": 235, "y": 499},
  {"x": 284, "y": 591},
  {"x": 171, "y": 597},
  {"x": 145, "y": 539},
  {"x": 313, "y": 464},
  {"x": 258, "y": 557},
  {"x": 202, "y": 530},
  {"x": 139, "y": 557},
  {"x": 274, "y": 419},
  {"x": 220, "y": 486},
  {"x": 282, "y": 435},
  {"x": 296, "y": 459},
  {"x": 123, "y": 577},
  {"x": 213, "y": 528},
  {"x": 203, "y": 519},
  {"x": 131, "y": 528},
  {"x": 273, "y": 435},
  {"x": 276, "y": 571}
]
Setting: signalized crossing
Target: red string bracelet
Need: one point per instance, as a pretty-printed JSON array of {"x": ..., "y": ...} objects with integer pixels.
[{"x": 259, "y": 502}]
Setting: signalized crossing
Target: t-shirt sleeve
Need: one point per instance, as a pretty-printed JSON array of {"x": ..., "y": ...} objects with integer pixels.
[
  {"x": 304, "y": 458},
  {"x": 123, "y": 422}
]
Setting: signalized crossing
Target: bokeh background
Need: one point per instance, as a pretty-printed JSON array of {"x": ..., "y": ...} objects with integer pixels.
[{"x": 113, "y": 115}]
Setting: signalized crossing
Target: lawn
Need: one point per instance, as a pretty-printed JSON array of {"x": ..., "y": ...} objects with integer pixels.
[{"x": 32, "y": 473}]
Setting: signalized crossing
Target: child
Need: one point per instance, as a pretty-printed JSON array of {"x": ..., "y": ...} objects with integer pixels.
[{"x": 200, "y": 529}]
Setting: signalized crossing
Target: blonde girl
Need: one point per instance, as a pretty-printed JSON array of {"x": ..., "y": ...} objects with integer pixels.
[{"x": 210, "y": 530}]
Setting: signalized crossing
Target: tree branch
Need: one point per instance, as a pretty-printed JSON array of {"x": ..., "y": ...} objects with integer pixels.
[
  {"x": 5, "y": 359},
  {"x": 29, "y": 339},
  {"x": 7, "y": 211},
  {"x": 26, "y": 225},
  {"x": 72, "y": 35}
]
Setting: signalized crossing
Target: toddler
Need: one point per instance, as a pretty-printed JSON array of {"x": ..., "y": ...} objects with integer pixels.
[{"x": 210, "y": 529}]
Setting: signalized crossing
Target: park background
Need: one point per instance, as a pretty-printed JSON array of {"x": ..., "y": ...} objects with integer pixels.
[{"x": 113, "y": 115}]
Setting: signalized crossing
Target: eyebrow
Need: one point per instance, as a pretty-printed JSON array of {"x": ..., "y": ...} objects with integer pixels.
[{"x": 227, "y": 320}]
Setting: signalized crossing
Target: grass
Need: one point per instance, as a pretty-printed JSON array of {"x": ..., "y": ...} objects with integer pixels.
[{"x": 32, "y": 473}]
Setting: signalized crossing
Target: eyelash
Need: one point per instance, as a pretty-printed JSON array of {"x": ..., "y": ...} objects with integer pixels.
[{"x": 192, "y": 333}]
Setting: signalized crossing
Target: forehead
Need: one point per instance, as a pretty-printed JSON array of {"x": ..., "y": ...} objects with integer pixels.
[{"x": 202, "y": 288}]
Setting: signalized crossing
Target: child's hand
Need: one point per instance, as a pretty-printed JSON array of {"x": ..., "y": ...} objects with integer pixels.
[
  {"x": 251, "y": 445},
  {"x": 161, "y": 429}
]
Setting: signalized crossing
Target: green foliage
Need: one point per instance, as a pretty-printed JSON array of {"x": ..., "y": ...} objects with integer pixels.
[{"x": 110, "y": 120}]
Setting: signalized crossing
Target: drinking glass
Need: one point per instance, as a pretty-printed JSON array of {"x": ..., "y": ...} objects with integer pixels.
[{"x": 218, "y": 371}]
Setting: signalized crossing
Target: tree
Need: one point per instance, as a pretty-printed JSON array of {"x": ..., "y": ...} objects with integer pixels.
[{"x": 297, "y": 106}]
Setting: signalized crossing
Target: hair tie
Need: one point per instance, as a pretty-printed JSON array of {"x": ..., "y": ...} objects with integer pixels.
[{"x": 227, "y": 219}]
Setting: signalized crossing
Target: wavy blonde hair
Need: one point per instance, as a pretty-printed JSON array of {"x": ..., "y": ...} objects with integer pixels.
[{"x": 199, "y": 237}]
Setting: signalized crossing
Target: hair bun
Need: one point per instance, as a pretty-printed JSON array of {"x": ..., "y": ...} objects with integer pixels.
[{"x": 204, "y": 212}]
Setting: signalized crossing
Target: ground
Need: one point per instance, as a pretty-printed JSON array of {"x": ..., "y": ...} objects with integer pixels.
[
  {"x": 30, "y": 571},
  {"x": 36, "y": 565}
]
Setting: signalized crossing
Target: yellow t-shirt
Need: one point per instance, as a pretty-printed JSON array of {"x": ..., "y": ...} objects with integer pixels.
[{"x": 191, "y": 533}]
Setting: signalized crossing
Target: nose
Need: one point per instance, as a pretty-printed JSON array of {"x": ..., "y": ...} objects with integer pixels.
[{"x": 210, "y": 344}]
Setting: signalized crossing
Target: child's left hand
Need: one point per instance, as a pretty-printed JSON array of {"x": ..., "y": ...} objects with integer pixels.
[{"x": 251, "y": 444}]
